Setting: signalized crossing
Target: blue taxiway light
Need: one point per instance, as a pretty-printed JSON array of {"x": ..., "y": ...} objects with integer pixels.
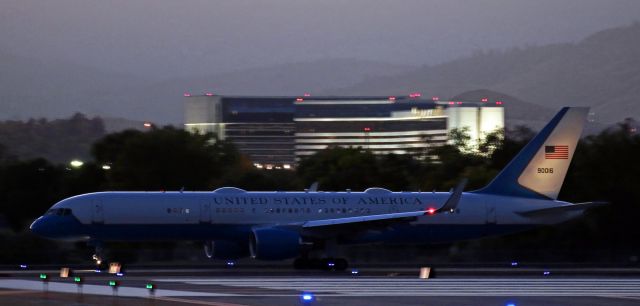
[
  {"x": 514, "y": 264},
  {"x": 23, "y": 266},
  {"x": 546, "y": 273},
  {"x": 511, "y": 304},
  {"x": 119, "y": 274},
  {"x": 231, "y": 263},
  {"x": 354, "y": 272},
  {"x": 307, "y": 297}
]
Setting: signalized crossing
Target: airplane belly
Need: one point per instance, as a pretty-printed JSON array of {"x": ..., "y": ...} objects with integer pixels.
[{"x": 159, "y": 232}]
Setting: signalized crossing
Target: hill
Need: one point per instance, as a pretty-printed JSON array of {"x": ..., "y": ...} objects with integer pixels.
[
  {"x": 59, "y": 140},
  {"x": 517, "y": 112},
  {"x": 31, "y": 88},
  {"x": 601, "y": 71}
]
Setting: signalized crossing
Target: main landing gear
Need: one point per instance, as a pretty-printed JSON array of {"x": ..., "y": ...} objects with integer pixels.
[{"x": 327, "y": 264}]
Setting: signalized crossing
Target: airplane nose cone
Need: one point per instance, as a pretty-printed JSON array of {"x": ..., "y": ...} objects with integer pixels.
[{"x": 37, "y": 227}]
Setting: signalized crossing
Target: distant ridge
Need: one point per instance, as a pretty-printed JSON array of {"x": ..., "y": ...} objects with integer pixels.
[
  {"x": 601, "y": 71},
  {"x": 517, "y": 112}
]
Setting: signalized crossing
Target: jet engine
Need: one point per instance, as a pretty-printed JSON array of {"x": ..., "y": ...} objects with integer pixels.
[
  {"x": 274, "y": 243},
  {"x": 224, "y": 250}
]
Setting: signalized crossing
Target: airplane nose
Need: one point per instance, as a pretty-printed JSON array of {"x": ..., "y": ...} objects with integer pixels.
[{"x": 37, "y": 227}]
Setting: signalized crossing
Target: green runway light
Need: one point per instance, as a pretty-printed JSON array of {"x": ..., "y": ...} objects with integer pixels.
[
  {"x": 77, "y": 279},
  {"x": 43, "y": 276},
  {"x": 113, "y": 283},
  {"x": 150, "y": 286}
]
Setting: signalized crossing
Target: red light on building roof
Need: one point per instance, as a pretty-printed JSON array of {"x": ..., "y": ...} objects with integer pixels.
[
  {"x": 498, "y": 102},
  {"x": 299, "y": 99},
  {"x": 435, "y": 98},
  {"x": 452, "y": 103},
  {"x": 186, "y": 94},
  {"x": 367, "y": 129},
  {"x": 458, "y": 102},
  {"x": 208, "y": 94},
  {"x": 306, "y": 94},
  {"x": 392, "y": 98},
  {"x": 415, "y": 95},
  {"x": 484, "y": 100}
]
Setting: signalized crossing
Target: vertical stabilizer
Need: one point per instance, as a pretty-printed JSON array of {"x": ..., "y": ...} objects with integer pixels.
[{"x": 538, "y": 171}]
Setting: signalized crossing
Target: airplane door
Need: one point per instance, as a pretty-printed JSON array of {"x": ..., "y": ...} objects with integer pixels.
[
  {"x": 205, "y": 212},
  {"x": 491, "y": 213},
  {"x": 97, "y": 215}
]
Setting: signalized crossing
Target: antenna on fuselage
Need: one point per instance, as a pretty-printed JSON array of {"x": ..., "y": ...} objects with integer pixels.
[{"x": 313, "y": 187}]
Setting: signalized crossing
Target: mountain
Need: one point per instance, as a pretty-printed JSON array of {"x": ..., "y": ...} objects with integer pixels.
[
  {"x": 31, "y": 88},
  {"x": 286, "y": 79},
  {"x": 517, "y": 112},
  {"x": 601, "y": 71}
]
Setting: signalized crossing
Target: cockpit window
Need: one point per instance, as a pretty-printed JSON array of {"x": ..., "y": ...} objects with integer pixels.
[{"x": 59, "y": 212}]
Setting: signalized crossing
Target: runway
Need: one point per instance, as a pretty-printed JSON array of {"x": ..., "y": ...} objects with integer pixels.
[
  {"x": 364, "y": 287},
  {"x": 327, "y": 289}
]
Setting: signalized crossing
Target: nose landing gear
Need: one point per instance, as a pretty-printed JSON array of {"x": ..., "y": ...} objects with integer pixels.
[{"x": 98, "y": 256}]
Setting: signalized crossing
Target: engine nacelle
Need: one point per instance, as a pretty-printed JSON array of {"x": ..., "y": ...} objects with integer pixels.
[
  {"x": 224, "y": 250},
  {"x": 274, "y": 243}
]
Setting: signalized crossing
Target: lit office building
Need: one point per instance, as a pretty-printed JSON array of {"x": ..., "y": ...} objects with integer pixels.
[
  {"x": 278, "y": 131},
  {"x": 260, "y": 127}
]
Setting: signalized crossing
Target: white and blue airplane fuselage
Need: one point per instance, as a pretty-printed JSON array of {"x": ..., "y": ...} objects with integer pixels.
[{"x": 280, "y": 225}]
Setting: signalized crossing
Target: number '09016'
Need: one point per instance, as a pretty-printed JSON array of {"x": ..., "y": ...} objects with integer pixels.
[{"x": 545, "y": 170}]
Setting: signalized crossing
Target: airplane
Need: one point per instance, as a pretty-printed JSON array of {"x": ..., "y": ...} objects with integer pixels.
[{"x": 272, "y": 225}]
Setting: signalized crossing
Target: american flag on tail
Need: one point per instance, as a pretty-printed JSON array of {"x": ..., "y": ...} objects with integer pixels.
[{"x": 556, "y": 152}]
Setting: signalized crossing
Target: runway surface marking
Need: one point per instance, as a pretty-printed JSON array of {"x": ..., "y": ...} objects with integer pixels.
[
  {"x": 417, "y": 287},
  {"x": 14, "y": 292},
  {"x": 197, "y": 302},
  {"x": 97, "y": 289}
]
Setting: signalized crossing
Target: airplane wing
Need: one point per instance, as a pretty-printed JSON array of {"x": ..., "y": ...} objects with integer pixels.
[
  {"x": 449, "y": 206},
  {"x": 560, "y": 209},
  {"x": 361, "y": 219}
]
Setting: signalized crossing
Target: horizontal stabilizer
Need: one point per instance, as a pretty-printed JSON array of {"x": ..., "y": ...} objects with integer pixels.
[{"x": 560, "y": 209}]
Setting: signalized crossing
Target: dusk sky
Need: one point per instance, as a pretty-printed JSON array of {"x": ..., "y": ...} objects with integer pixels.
[{"x": 163, "y": 39}]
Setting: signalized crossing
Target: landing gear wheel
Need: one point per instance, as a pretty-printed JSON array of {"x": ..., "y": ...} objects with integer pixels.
[
  {"x": 301, "y": 263},
  {"x": 341, "y": 264},
  {"x": 334, "y": 264},
  {"x": 327, "y": 264}
]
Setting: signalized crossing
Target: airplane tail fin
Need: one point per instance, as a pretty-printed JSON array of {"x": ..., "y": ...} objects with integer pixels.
[{"x": 538, "y": 171}]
